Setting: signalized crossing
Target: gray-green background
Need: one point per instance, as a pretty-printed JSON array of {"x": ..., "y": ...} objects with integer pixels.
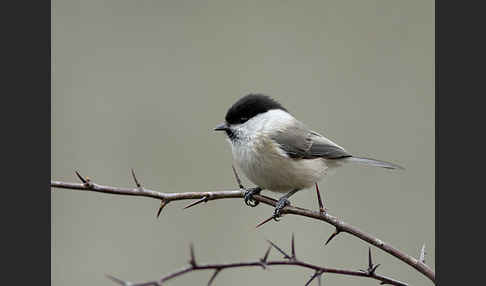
[{"x": 140, "y": 84}]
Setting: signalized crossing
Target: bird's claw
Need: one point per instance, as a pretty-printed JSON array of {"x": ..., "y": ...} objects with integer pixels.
[
  {"x": 249, "y": 201},
  {"x": 282, "y": 202}
]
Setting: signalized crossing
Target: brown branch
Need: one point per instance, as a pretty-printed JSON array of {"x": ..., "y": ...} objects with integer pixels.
[
  {"x": 341, "y": 226},
  {"x": 291, "y": 261}
]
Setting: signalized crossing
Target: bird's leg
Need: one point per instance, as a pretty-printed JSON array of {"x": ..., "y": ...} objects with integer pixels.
[
  {"x": 282, "y": 202},
  {"x": 249, "y": 201}
]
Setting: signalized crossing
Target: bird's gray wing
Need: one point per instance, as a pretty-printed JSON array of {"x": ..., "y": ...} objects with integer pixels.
[{"x": 301, "y": 143}]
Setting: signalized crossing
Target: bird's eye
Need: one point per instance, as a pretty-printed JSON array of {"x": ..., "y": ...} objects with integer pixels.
[{"x": 243, "y": 119}]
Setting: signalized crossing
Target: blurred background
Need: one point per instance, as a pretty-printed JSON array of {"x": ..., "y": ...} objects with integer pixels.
[{"x": 140, "y": 84}]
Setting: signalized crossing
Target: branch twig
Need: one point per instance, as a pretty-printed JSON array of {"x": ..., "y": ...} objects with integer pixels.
[
  {"x": 341, "y": 226},
  {"x": 291, "y": 261}
]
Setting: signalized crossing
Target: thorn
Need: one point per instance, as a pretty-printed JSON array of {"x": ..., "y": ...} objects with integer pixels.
[
  {"x": 81, "y": 177},
  {"x": 216, "y": 271},
  {"x": 203, "y": 200},
  {"x": 280, "y": 250},
  {"x": 265, "y": 257},
  {"x": 371, "y": 268},
  {"x": 293, "y": 247},
  {"x": 193, "y": 258},
  {"x": 319, "y": 200},
  {"x": 370, "y": 261},
  {"x": 163, "y": 203},
  {"x": 116, "y": 280},
  {"x": 422, "y": 254},
  {"x": 317, "y": 274},
  {"x": 265, "y": 221},
  {"x": 135, "y": 179},
  {"x": 336, "y": 232},
  {"x": 240, "y": 185}
]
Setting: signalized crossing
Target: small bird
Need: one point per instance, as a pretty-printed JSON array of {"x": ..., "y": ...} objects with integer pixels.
[{"x": 279, "y": 153}]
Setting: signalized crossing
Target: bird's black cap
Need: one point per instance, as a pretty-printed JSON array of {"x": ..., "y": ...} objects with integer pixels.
[{"x": 249, "y": 106}]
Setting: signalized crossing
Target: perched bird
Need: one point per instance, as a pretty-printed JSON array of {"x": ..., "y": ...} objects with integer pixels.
[{"x": 279, "y": 153}]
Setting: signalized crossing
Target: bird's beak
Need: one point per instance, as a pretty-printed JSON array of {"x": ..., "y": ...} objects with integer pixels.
[{"x": 221, "y": 127}]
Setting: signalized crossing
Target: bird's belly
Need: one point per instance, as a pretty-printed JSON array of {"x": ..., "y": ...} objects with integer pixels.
[{"x": 275, "y": 171}]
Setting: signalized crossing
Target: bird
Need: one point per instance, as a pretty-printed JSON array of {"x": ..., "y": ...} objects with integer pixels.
[{"x": 279, "y": 153}]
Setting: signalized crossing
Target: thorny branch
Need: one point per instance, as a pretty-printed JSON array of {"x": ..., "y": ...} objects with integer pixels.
[
  {"x": 263, "y": 263},
  {"x": 166, "y": 198}
]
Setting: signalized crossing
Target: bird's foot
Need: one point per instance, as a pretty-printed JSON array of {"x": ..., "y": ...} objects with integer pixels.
[
  {"x": 282, "y": 202},
  {"x": 249, "y": 201}
]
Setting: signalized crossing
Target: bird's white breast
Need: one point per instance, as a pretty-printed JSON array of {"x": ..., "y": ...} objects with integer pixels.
[{"x": 268, "y": 166}]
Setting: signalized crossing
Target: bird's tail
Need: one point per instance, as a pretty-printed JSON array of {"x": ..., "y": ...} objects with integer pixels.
[{"x": 373, "y": 162}]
